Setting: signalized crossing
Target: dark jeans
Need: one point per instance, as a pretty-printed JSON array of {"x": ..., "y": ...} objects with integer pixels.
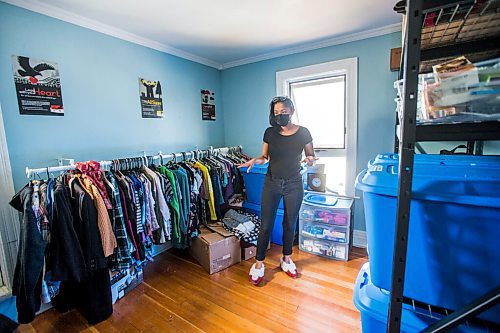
[{"x": 292, "y": 191}]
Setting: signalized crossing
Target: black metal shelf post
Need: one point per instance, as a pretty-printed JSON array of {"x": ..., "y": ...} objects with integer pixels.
[{"x": 411, "y": 69}]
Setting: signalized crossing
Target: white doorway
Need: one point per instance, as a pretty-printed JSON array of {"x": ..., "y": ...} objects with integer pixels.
[
  {"x": 9, "y": 223},
  {"x": 325, "y": 98}
]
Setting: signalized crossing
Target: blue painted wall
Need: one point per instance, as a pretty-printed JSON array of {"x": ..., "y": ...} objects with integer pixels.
[
  {"x": 99, "y": 76},
  {"x": 247, "y": 90}
]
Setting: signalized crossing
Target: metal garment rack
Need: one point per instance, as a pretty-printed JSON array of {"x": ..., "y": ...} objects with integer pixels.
[
  {"x": 160, "y": 156},
  {"x": 437, "y": 29}
]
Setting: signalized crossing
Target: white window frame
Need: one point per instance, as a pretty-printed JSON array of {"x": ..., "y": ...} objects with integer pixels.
[
  {"x": 9, "y": 219},
  {"x": 349, "y": 68}
]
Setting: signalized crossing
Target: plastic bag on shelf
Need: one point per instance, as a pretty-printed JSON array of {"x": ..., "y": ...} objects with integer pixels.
[{"x": 457, "y": 91}]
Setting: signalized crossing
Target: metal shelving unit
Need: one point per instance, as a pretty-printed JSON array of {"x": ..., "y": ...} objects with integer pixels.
[
  {"x": 435, "y": 31},
  {"x": 449, "y": 29}
]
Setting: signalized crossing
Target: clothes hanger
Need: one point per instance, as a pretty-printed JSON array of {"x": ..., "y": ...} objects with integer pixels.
[{"x": 173, "y": 161}]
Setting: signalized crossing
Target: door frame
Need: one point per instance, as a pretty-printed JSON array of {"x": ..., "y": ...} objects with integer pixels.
[{"x": 9, "y": 219}]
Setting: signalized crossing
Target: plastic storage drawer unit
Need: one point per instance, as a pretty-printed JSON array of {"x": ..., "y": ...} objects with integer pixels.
[
  {"x": 373, "y": 304},
  {"x": 454, "y": 228},
  {"x": 325, "y": 225},
  {"x": 277, "y": 234}
]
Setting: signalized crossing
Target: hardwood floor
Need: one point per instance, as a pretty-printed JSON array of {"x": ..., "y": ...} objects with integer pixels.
[{"x": 177, "y": 295}]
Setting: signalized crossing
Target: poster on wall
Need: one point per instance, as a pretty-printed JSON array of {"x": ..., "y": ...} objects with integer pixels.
[
  {"x": 207, "y": 105},
  {"x": 38, "y": 86},
  {"x": 151, "y": 100}
]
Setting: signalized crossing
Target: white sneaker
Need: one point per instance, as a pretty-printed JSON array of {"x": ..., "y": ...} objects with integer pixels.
[
  {"x": 256, "y": 275},
  {"x": 289, "y": 268}
]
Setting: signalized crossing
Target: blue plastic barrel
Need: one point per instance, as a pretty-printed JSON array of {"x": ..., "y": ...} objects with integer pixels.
[
  {"x": 254, "y": 183},
  {"x": 373, "y": 304},
  {"x": 454, "y": 228}
]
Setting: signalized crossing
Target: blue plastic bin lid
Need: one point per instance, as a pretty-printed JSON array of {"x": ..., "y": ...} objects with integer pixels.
[
  {"x": 257, "y": 168},
  {"x": 327, "y": 200},
  {"x": 490, "y": 161},
  {"x": 262, "y": 169},
  {"x": 469, "y": 181},
  {"x": 373, "y": 301}
]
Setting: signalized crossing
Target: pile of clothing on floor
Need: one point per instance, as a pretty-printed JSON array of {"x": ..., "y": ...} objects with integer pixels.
[{"x": 245, "y": 226}]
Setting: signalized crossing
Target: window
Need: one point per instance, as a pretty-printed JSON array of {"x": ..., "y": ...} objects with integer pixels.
[
  {"x": 325, "y": 98},
  {"x": 320, "y": 107}
]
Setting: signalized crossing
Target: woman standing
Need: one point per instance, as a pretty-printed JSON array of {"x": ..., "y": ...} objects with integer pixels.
[{"x": 283, "y": 145}]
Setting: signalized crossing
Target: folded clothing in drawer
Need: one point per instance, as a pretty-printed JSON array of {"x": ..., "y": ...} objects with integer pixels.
[
  {"x": 324, "y": 231},
  {"x": 325, "y": 248},
  {"x": 326, "y": 208}
]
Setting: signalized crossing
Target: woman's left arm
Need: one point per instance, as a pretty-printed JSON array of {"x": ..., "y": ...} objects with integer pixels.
[{"x": 310, "y": 156}]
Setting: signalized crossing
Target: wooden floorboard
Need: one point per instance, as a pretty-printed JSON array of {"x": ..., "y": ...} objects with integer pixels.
[{"x": 177, "y": 295}]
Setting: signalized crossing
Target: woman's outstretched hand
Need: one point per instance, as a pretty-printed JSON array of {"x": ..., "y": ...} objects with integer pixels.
[
  {"x": 310, "y": 160},
  {"x": 248, "y": 164}
]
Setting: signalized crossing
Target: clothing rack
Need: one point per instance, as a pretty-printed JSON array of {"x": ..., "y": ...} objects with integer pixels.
[{"x": 130, "y": 161}]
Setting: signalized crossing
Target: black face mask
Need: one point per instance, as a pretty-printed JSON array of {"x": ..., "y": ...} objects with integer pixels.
[{"x": 282, "y": 119}]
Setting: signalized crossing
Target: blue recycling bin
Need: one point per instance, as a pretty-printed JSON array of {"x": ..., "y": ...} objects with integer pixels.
[
  {"x": 454, "y": 227},
  {"x": 373, "y": 305},
  {"x": 254, "y": 183}
]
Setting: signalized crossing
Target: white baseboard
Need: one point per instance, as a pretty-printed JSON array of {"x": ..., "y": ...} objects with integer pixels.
[{"x": 359, "y": 238}]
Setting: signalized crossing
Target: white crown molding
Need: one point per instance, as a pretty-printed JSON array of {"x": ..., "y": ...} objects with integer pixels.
[
  {"x": 60, "y": 14},
  {"x": 317, "y": 45},
  {"x": 63, "y": 15},
  {"x": 359, "y": 238}
]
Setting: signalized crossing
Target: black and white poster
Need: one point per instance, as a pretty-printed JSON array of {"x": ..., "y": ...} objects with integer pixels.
[
  {"x": 38, "y": 86},
  {"x": 207, "y": 105},
  {"x": 151, "y": 100}
]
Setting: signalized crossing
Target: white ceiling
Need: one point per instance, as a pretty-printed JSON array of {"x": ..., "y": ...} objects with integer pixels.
[{"x": 224, "y": 33}]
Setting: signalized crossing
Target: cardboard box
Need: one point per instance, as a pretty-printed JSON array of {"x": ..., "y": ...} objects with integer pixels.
[
  {"x": 395, "y": 61},
  {"x": 215, "y": 249},
  {"x": 249, "y": 251}
]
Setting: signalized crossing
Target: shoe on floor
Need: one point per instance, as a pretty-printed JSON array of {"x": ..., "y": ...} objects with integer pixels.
[
  {"x": 289, "y": 268},
  {"x": 256, "y": 275}
]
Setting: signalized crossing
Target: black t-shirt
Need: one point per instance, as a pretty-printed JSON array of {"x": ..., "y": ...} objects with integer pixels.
[{"x": 285, "y": 152}]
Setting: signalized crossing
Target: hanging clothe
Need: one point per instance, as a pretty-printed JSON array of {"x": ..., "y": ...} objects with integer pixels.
[
  {"x": 27, "y": 284},
  {"x": 76, "y": 228}
]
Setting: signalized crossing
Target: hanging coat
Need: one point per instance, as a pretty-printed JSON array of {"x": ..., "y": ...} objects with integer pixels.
[{"x": 27, "y": 284}]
